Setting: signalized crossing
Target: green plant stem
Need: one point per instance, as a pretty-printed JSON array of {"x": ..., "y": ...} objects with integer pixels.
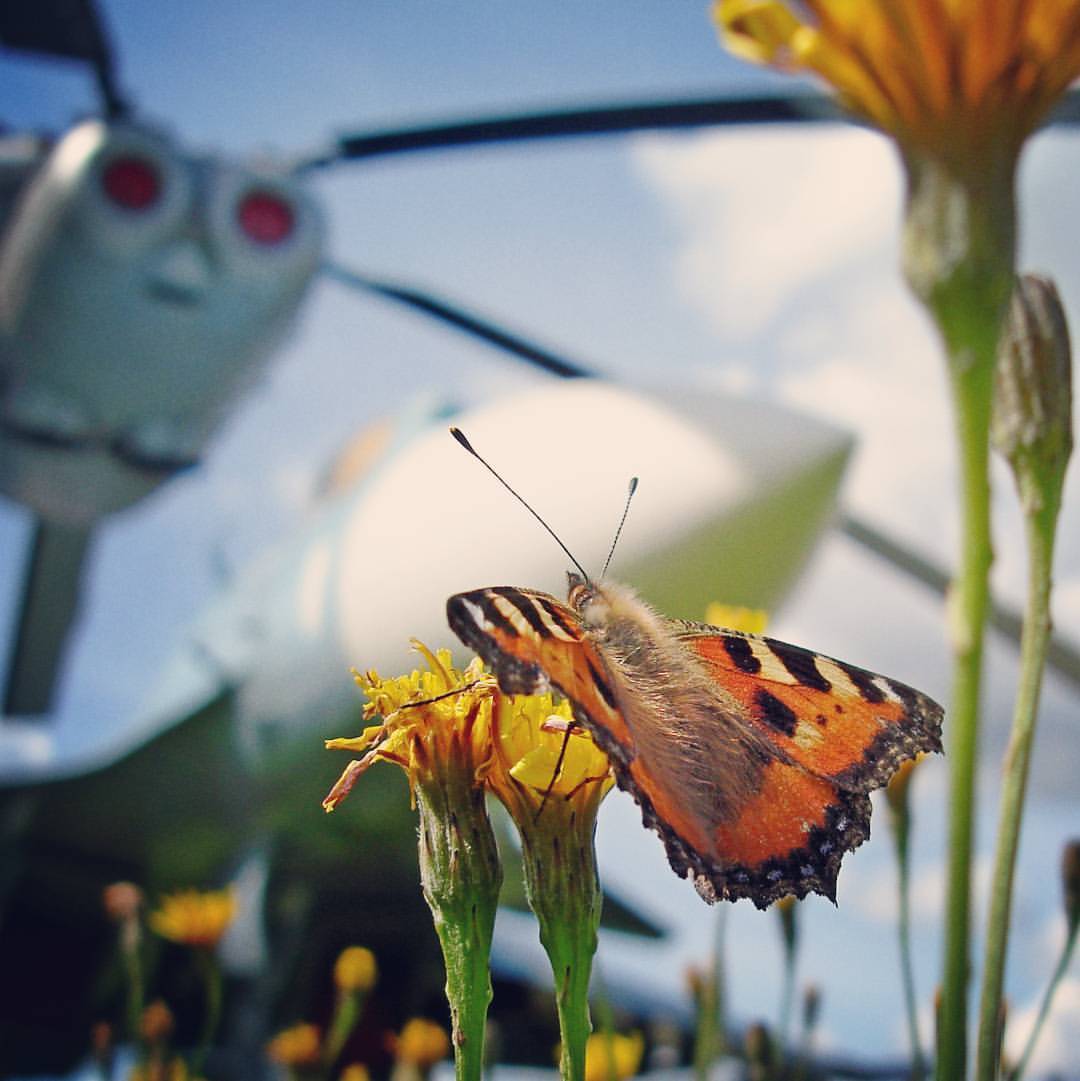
[
  {"x": 1040, "y": 527},
  {"x": 901, "y": 823},
  {"x": 564, "y": 894},
  {"x": 461, "y": 875},
  {"x": 211, "y": 974},
  {"x": 1048, "y": 998},
  {"x": 959, "y": 247},
  {"x": 131, "y": 955},
  {"x": 346, "y": 1015},
  {"x": 972, "y": 384}
]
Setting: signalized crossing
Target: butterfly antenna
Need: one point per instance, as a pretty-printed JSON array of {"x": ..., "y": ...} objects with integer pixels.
[
  {"x": 622, "y": 522},
  {"x": 459, "y": 435}
]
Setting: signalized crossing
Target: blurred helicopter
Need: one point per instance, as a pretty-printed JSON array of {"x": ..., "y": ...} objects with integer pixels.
[{"x": 141, "y": 290}]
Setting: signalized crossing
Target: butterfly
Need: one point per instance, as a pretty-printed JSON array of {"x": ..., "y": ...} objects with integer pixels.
[{"x": 751, "y": 758}]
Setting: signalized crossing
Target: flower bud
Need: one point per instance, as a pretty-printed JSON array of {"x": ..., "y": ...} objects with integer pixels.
[
  {"x": 1070, "y": 881},
  {"x": 1032, "y": 422},
  {"x": 122, "y": 901}
]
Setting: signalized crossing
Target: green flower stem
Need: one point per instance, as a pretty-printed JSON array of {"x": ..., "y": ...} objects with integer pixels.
[
  {"x": 1041, "y": 523},
  {"x": 460, "y": 875},
  {"x": 967, "y": 616},
  {"x": 131, "y": 956},
  {"x": 710, "y": 1036},
  {"x": 900, "y": 820},
  {"x": 1048, "y": 997},
  {"x": 346, "y": 1015},
  {"x": 958, "y": 257},
  {"x": 787, "y": 911},
  {"x": 563, "y": 891},
  {"x": 212, "y": 985}
]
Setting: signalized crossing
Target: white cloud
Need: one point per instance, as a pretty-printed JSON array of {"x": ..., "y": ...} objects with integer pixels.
[{"x": 765, "y": 212}]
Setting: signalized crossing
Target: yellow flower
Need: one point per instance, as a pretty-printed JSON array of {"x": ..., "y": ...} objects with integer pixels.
[
  {"x": 613, "y": 1057},
  {"x": 355, "y": 1071},
  {"x": 299, "y": 1045},
  {"x": 536, "y": 762},
  {"x": 953, "y": 77},
  {"x": 195, "y": 918},
  {"x": 420, "y": 1043},
  {"x": 737, "y": 618},
  {"x": 448, "y": 719},
  {"x": 355, "y": 969}
]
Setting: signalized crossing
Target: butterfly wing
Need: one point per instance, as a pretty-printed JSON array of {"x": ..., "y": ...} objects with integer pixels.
[
  {"x": 837, "y": 732},
  {"x": 799, "y": 809},
  {"x": 841, "y": 723},
  {"x": 533, "y": 643}
]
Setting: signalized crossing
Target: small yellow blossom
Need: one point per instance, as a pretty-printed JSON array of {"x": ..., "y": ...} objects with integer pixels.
[
  {"x": 737, "y": 618},
  {"x": 420, "y": 1043},
  {"x": 355, "y": 1071},
  {"x": 541, "y": 755},
  {"x": 952, "y": 77},
  {"x": 299, "y": 1045},
  {"x": 195, "y": 918},
  {"x": 355, "y": 969},
  {"x": 612, "y": 1056},
  {"x": 427, "y": 718}
]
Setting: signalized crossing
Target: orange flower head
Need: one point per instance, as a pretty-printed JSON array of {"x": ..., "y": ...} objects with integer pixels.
[
  {"x": 429, "y": 720},
  {"x": 298, "y": 1045},
  {"x": 959, "y": 79},
  {"x": 420, "y": 1043},
  {"x": 195, "y": 918}
]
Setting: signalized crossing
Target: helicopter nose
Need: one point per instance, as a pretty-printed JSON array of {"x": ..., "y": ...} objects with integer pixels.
[{"x": 181, "y": 273}]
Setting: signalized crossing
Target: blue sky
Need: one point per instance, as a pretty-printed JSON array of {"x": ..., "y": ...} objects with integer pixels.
[{"x": 762, "y": 262}]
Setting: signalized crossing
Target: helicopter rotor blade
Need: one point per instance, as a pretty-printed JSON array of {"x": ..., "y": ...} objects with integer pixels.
[
  {"x": 596, "y": 120},
  {"x": 624, "y": 118},
  {"x": 461, "y": 319},
  {"x": 69, "y": 29}
]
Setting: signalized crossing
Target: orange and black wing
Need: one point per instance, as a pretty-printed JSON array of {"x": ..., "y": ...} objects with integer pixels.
[
  {"x": 841, "y": 723},
  {"x": 836, "y": 732},
  {"x": 533, "y": 643}
]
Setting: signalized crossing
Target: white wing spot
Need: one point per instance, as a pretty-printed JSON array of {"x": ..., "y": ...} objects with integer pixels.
[
  {"x": 772, "y": 668},
  {"x": 840, "y": 680},
  {"x": 550, "y": 625},
  {"x": 477, "y": 614}
]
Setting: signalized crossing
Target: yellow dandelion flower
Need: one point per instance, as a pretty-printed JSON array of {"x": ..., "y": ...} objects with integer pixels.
[
  {"x": 195, "y": 918},
  {"x": 428, "y": 718},
  {"x": 298, "y": 1045},
  {"x": 956, "y": 78},
  {"x": 355, "y": 969},
  {"x": 541, "y": 757},
  {"x": 355, "y": 1071},
  {"x": 420, "y": 1043},
  {"x": 612, "y": 1056}
]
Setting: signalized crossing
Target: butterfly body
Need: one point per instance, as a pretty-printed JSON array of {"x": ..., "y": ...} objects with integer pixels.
[{"x": 751, "y": 758}]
